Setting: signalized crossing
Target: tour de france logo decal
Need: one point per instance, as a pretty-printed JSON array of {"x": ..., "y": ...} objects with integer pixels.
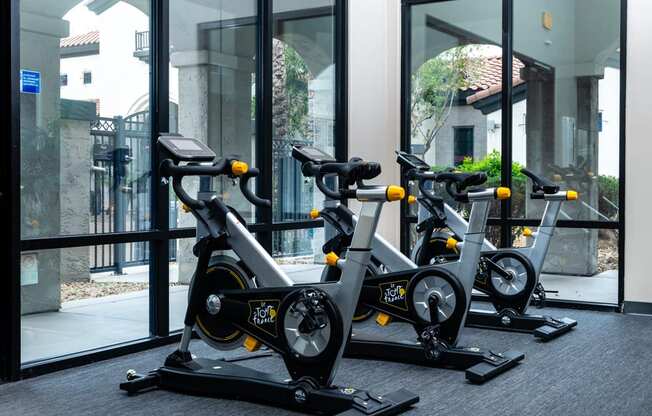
[
  {"x": 394, "y": 294},
  {"x": 263, "y": 314}
]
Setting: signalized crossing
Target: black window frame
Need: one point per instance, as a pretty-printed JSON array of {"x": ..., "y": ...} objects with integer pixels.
[
  {"x": 506, "y": 221},
  {"x": 160, "y": 235},
  {"x": 63, "y": 80},
  {"x": 87, "y": 77}
]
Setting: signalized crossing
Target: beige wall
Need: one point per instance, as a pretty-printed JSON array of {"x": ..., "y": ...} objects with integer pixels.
[
  {"x": 638, "y": 270},
  {"x": 374, "y": 93}
]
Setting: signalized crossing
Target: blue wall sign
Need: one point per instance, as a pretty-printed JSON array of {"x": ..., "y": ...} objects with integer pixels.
[{"x": 30, "y": 82}]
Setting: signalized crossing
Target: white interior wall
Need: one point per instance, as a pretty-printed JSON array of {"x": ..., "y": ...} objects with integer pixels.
[
  {"x": 374, "y": 93},
  {"x": 638, "y": 284}
]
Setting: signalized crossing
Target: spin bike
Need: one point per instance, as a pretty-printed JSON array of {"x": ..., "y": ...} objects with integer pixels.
[
  {"x": 433, "y": 299},
  {"x": 508, "y": 276},
  {"x": 307, "y": 325}
]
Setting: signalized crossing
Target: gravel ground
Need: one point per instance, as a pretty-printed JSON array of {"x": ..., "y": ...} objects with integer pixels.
[
  {"x": 607, "y": 255},
  {"x": 86, "y": 290}
]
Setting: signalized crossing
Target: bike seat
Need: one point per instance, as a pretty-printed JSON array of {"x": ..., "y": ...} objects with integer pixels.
[
  {"x": 461, "y": 179},
  {"x": 541, "y": 184}
]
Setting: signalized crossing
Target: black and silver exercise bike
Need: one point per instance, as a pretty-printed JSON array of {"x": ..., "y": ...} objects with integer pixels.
[
  {"x": 433, "y": 299},
  {"x": 508, "y": 276},
  {"x": 307, "y": 325}
]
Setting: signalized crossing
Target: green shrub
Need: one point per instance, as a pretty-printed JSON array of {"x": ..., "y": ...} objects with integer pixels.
[
  {"x": 492, "y": 165},
  {"x": 608, "y": 186}
]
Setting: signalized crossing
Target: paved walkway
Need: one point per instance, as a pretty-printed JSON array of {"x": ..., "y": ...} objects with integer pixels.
[{"x": 91, "y": 323}]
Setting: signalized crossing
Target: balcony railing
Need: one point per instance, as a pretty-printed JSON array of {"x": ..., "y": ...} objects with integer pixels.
[
  {"x": 141, "y": 50},
  {"x": 142, "y": 41}
]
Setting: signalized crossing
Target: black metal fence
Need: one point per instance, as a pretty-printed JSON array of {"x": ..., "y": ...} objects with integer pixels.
[{"x": 120, "y": 189}]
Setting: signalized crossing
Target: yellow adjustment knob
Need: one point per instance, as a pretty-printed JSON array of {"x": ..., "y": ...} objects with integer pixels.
[
  {"x": 314, "y": 213},
  {"x": 572, "y": 195},
  {"x": 185, "y": 208},
  {"x": 331, "y": 259},
  {"x": 252, "y": 344},
  {"x": 503, "y": 193},
  {"x": 451, "y": 243},
  {"x": 412, "y": 199},
  {"x": 239, "y": 168},
  {"x": 395, "y": 193},
  {"x": 527, "y": 232},
  {"x": 383, "y": 319}
]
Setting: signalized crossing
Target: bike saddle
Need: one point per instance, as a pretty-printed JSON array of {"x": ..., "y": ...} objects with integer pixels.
[
  {"x": 462, "y": 180},
  {"x": 541, "y": 184}
]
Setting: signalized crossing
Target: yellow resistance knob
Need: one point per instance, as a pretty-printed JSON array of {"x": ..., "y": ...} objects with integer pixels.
[
  {"x": 527, "y": 232},
  {"x": 503, "y": 193},
  {"x": 412, "y": 199},
  {"x": 395, "y": 193},
  {"x": 451, "y": 243},
  {"x": 314, "y": 213},
  {"x": 572, "y": 195},
  {"x": 239, "y": 168},
  {"x": 331, "y": 259},
  {"x": 383, "y": 319},
  {"x": 185, "y": 208}
]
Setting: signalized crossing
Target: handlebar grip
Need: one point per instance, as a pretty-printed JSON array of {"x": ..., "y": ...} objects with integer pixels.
[
  {"x": 455, "y": 193},
  {"x": 248, "y": 194},
  {"x": 319, "y": 180}
]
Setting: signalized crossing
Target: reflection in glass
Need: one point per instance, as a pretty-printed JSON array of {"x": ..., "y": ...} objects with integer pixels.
[
  {"x": 303, "y": 95},
  {"x": 456, "y": 84},
  {"x": 212, "y": 96},
  {"x": 567, "y": 122}
]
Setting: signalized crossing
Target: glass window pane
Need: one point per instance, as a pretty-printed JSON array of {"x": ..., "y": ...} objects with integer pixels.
[
  {"x": 85, "y": 141},
  {"x": 569, "y": 104},
  {"x": 303, "y": 99},
  {"x": 182, "y": 268},
  {"x": 299, "y": 252},
  {"x": 77, "y": 299},
  {"x": 456, "y": 67},
  {"x": 581, "y": 265},
  {"x": 212, "y": 87}
]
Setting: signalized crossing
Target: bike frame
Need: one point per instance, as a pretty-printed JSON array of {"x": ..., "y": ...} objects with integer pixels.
[
  {"x": 344, "y": 292},
  {"x": 471, "y": 248}
]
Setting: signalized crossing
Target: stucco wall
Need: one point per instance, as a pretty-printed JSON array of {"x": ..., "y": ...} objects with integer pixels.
[
  {"x": 638, "y": 285},
  {"x": 374, "y": 93}
]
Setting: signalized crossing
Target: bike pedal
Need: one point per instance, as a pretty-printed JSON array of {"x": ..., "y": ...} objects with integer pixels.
[
  {"x": 252, "y": 344},
  {"x": 383, "y": 319}
]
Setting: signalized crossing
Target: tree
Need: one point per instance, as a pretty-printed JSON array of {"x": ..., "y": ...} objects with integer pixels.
[
  {"x": 290, "y": 93},
  {"x": 434, "y": 90}
]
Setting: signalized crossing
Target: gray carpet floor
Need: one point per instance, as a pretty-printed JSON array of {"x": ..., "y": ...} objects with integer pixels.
[{"x": 602, "y": 368}]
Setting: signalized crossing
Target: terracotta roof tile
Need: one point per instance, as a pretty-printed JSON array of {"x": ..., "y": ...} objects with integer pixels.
[
  {"x": 80, "y": 40},
  {"x": 489, "y": 78}
]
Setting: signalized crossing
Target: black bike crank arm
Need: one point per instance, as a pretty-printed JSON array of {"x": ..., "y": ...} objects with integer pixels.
[{"x": 496, "y": 268}]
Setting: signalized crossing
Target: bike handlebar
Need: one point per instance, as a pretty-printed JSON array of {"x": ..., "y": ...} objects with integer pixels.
[
  {"x": 226, "y": 166},
  {"x": 250, "y": 195},
  {"x": 540, "y": 184},
  {"x": 352, "y": 172}
]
